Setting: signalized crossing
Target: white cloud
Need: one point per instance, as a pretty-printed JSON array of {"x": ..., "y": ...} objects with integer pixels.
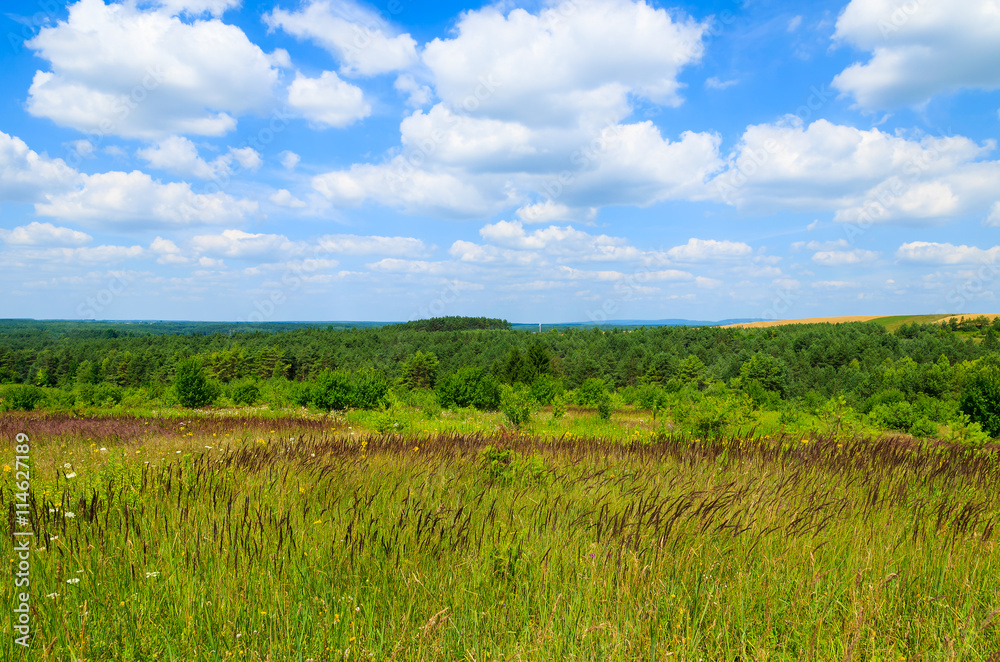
[
  {"x": 44, "y": 234},
  {"x": 417, "y": 95},
  {"x": 919, "y": 49},
  {"x": 865, "y": 175},
  {"x": 400, "y": 184},
  {"x": 239, "y": 244},
  {"x": 794, "y": 24},
  {"x": 84, "y": 255},
  {"x": 179, "y": 155},
  {"x": 994, "y": 217},
  {"x": 197, "y": 7},
  {"x": 843, "y": 258},
  {"x": 134, "y": 198},
  {"x": 327, "y": 100},
  {"x": 25, "y": 174},
  {"x": 700, "y": 250},
  {"x": 835, "y": 284},
  {"x": 372, "y": 245},
  {"x": 596, "y": 53},
  {"x": 364, "y": 43},
  {"x": 284, "y": 198},
  {"x": 289, "y": 159},
  {"x": 714, "y": 83},
  {"x": 396, "y": 265},
  {"x": 549, "y": 210},
  {"x": 821, "y": 245},
  {"x": 167, "y": 252},
  {"x": 937, "y": 253},
  {"x": 116, "y": 69}
]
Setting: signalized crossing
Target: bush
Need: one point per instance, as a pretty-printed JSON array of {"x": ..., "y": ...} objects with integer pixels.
[
  {"x": 470, "y": 387},
  {"x": 21, "y": 397},
  {"x": 591, "y": 392},
  {"x": 245, "y": 392},
  {"x": 370, "y": 389},
  {"x": 895, "y": 416},
  {"x": 980, "y": 399},
  {"x": 516, "y": 406},
  {"x": 604, "y": 408},
  {"x": 924, "y": 427},
  {"x": 333, "y": 390},
  {"x": 543, "y": 390},
  {"x": 192, "y": 387}
]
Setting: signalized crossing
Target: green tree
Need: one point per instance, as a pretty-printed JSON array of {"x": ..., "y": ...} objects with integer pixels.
[
  {"x": 420, "y": 370},
  {"x": 192, "y": 387},
  {"x": 691, "y": 369},
  {"x": 333, "y": 390},
  {"x": 771, "y": 373},
  {"x": 980, "y": 399}
]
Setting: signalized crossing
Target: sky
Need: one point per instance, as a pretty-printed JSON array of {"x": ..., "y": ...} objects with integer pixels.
[{"x": 563, "y": 161}]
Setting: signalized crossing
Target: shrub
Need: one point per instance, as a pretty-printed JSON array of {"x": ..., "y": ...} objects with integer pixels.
[
  {"x": 980, "y": 399},
  {"x": 771, "y": 373},
  {"x": 192, "y": 387},
  {"x": 370, "y": 389},
  {"x": 333, "y": 390},
  {"x": 558, "y": 407},
  {"x": 516, "y": 406},
  {"x": 924, "y": 427},
  {"x": 21, "y": 397},
  {"x": 591, "y": 392},
  {"x": 604, "y": 408},
  {"x": 543, "y": 390},
  {"x": 245, "y": 392},
  {"x": 470, "y": 387},
  {"x": 894, "y": 415}
]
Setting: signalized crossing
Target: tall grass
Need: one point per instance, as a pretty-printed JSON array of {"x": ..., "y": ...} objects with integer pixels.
[{"x": 315, "y": 544}]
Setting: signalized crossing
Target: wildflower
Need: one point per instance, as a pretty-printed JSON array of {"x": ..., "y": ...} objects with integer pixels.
[
  {"x": 6, "y": 468},
  {"x": 52, "y": 596},
  {"x": 103, "y": 449},
  {"x": 71, "y": 515},
  {"x": 75, "y": 580},
  {"x": 71, "y": 475},
  {"x": 152, "y": 574},
  {"x": 67, "y": 466}
]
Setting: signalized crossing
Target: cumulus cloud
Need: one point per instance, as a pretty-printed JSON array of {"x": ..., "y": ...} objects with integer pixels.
[
  {"x": 919, "y": 49},
  {"x": 864, "y": 175},
  {"x": 239, "y": 244},
  {"x": 844, "y": 258},
  {"x": 327, "y": 101},
  {"x": 364, "y": 43},
  {"x": 372, "y": 245},
  {"x": 284, "y": 198},
  {"x": 25, "y": 174},
  {"x": 135, "y": 199},
  {"x": 399, "y": 184},
  {"x": 945, "y": 253},
  {"x": 700, "y": 250},
  {"x": 597, "y": 54},
  {"x": 44, "y": 234},
  {"x": 179, "y": 155},
  {"x": 118, "y": 69}
]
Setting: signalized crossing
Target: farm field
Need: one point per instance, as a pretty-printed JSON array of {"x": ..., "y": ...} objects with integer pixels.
[{"x": 251, "y": 538}]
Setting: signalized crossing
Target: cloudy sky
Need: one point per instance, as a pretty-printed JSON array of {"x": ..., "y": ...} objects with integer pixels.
[{"x": 539, "y": 161}]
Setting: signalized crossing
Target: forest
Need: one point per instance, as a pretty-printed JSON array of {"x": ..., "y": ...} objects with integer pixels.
[{"x": 923, "y": 379}]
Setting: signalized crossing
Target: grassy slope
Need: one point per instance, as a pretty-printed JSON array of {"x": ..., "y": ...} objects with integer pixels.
[{"x": 276, "y": 543}]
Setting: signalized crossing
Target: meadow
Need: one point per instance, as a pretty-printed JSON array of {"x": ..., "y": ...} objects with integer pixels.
[{"x": 254, "y": 535}]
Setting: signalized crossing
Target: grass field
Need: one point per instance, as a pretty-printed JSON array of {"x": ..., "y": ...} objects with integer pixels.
[{"x": 249, "y": 538}]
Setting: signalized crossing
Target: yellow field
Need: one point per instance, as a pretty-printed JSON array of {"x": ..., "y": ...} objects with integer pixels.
[
  {"x": 808, "y": 320},
  {"x": 890, "y": 321}
]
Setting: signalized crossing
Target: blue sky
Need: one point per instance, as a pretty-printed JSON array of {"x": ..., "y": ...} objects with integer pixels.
[{"x": 543, "y": 161}]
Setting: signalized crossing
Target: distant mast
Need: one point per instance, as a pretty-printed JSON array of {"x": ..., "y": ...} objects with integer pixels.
[{"x": 539, "y": 327}]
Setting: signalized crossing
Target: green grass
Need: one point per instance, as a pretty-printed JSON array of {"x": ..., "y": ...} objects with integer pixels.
[
  {"x": 893, "y": 322},
  {"x": 313, "y": 543}
]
